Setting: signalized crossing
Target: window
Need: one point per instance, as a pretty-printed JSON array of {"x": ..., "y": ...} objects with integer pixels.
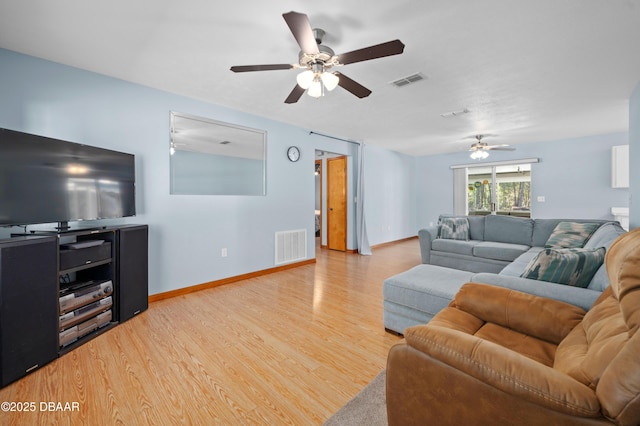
[{"x": 502, "y": 190}]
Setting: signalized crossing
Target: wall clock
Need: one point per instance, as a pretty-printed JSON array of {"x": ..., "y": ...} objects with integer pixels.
[{"x": 293, "y": 153}]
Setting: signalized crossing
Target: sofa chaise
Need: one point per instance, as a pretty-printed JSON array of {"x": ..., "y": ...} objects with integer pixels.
[{"x": 500, "y": 250}]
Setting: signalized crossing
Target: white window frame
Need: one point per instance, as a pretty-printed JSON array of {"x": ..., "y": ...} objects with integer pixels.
[{"x": 460, "y": 184}]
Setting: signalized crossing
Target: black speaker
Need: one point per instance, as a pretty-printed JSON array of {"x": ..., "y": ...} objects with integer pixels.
[
  {"x": 28, "y": 305},
  {"x": 132, "y": 271}
]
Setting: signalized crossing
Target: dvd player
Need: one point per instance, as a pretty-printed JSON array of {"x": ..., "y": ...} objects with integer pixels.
[
  {"x": 74, "y": 317},
  {"x": 76, "y": 296},
  {"x": 77, "y": 331}
]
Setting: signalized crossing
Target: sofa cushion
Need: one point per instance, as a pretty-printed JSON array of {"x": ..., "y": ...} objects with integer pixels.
[
  {"x": 454, "y": 246},
  {"x": 571, "y": 234},
  {"x": 603, "y": 237},
  {"x": 454, "y": 228},
  {"x": 425, "y": 288},
  {"x": 571, "y": 266},
  {"x": 589, "y": 348},
  {"x": 499, "y": 251},
  {"x": 508, "y": 229},
  {"x": 476, "y": 227},
  {"x": 515, "y": 268},
  {"x": 542, "y": 229}
]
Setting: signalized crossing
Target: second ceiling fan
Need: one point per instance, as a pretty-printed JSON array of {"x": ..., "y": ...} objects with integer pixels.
[
  {"x": 479, "y": 149},
  {"x": 317, "y": 60}
]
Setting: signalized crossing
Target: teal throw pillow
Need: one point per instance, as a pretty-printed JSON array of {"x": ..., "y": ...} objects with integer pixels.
[
  {"x": 454, "y": 228},
  {"x": 571, "y": 234},
  {"x": 571, "y": 266}
]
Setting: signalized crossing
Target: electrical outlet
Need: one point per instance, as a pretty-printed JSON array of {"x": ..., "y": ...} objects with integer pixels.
[
  {"x": 223, "y": 252},
  {"x": 541, "y": 199}
]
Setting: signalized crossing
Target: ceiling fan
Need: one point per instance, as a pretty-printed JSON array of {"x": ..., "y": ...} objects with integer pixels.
[
  {"x": 480, "y": 149},
  {"x": 317, "y": 60}
]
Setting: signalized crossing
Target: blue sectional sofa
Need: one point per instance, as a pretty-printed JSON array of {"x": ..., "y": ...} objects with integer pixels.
[
  {"x": 494, "y": 241},
  {"x": 498, "y": 250}
]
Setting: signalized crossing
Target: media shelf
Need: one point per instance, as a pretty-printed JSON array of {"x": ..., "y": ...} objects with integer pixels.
[
  {"x": 60, "y": 290},
  {"x": 86, "y": 274}
]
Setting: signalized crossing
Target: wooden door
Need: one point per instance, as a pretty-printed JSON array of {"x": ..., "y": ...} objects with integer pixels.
[{"x": 337, "y": 203}]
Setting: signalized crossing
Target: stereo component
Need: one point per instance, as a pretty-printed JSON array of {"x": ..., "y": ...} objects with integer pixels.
[
  {"x": 79, "y": 295},
  {"x": 74, "y": 317},
  {"x": 75, "y": 258},
  {"x": 74, "y": 333}
]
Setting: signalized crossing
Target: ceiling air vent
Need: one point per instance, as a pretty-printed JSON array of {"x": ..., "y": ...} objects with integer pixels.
[
  {"x": 455, "y": 113},
  {"x": 410, "y": 79}
]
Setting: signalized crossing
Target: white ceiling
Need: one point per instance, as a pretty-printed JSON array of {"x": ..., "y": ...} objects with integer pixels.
[{"x": 528, "y": 71}]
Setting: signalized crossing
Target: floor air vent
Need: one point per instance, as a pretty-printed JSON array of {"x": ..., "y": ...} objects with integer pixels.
[{"x": 291, "y": 246}]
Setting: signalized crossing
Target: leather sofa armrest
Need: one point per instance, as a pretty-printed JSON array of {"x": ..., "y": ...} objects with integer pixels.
[
  {"x": 503, "y": 369},
  {"x": 426, "y": 237},
  {"x": 543, "y": 318}
]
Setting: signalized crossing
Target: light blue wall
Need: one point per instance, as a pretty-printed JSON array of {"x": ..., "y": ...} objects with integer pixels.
[
  {"x": 434, "y": 187},
  {"x": 574, "y": 176},
  {"x": 634, "y": 158},
  {"x": 187, "y": 233},
  {"x": 390, "y": 201}
]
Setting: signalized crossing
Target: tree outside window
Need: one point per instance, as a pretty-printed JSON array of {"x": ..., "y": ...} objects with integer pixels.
[{"x": 502, "y": 190}]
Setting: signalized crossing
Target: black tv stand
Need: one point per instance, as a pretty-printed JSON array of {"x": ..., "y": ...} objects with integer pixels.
[
  {"x": 63, "y": 226},
  {"x": 62, "y": 289}
]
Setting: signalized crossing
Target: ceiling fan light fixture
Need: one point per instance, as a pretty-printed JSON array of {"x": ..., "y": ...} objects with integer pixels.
[
  {"x": 315, "y": 90},
  {"x": 479, "y": 155},
  {"x": 305, "y": 79},
  {"x": 329, "y": 80}
]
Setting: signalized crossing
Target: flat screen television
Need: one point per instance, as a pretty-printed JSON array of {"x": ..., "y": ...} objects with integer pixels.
[{"x": 45, "y": 180}]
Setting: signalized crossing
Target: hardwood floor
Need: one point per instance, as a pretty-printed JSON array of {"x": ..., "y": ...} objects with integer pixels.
[{"x": 290, "y": 347}]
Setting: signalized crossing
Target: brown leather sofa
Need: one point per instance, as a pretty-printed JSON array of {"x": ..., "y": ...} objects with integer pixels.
[{"x": 496, "y": 356}]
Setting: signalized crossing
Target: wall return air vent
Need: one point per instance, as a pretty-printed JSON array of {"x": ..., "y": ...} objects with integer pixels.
[
  {"x": 291, "y": 246},
  {"x": 410, "y": 79}
]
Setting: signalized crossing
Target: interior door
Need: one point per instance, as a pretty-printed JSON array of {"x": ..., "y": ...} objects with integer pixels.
[{"x": 337, "y": 203}]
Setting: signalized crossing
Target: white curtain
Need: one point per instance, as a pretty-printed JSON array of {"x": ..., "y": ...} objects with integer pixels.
[
  {"x": 361, "y": 228},
  {"x": 460, "y": 191}
]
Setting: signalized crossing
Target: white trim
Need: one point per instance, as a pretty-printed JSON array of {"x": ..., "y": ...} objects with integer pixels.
[{"x": 495, "y": 163}]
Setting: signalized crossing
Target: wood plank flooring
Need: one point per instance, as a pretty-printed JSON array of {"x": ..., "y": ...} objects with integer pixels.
[{"x": 288, "y": 348}]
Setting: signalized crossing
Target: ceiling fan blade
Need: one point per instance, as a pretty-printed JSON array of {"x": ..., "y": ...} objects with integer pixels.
[
  {"x": 301, "y": 28},
  {"x": 499, "y": 148},
  {"x": 389, "y": 48},
  {"x": 482, "y": 136},
  {"x": 352, "y": 86},
  {"x": 246, "y": 68},
  {"x": 295, "y": 95}
]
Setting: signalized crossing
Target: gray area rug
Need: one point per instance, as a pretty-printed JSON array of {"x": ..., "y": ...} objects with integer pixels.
[{"x": 368, "y": 408}]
